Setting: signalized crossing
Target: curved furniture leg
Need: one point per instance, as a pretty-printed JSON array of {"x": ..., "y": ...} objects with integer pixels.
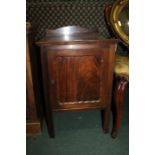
[{"x": 117, "y": 105}]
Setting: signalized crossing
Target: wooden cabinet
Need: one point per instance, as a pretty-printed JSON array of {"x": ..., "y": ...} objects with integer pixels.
[
  {"x": 33, "y": 111},
  {"x": 77, "y": 70}
]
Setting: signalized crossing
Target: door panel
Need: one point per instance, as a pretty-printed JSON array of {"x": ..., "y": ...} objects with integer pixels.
[
  {"x": 78, "y": 79},
  {"x": 88, "y": 82}
]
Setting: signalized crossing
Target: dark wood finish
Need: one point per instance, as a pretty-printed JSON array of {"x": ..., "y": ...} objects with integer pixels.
[
  {"x": 33, "y": 111},
  {"x": 110, "y": 72},
  {"x": 48, "y": 112},
  {"x": 117, "y": 106},
  {"x": 77, "y": 71}
]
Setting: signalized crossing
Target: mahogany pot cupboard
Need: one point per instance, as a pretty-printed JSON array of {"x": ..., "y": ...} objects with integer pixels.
[{"x": 77, "y": 69}]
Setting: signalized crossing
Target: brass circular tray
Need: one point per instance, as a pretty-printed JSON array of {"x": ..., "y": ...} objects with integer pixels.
[{"x": 119, "y": 20}]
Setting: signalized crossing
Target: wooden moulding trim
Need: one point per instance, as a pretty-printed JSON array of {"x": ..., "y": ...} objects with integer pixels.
[
  {"x": 80, "y": 108},
  {"x": 63, "y": 42},
  {"x": 76, "y": 47},
  {"x": 79, "y": 102},
  {"x": 33, "y": 128}
]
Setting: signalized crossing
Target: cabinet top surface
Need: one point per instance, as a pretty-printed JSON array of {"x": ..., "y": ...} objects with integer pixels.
[{"x": 72, "y": 34}]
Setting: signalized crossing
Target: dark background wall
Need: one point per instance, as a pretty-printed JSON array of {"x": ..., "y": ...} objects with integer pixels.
[{"x": 51, "y": 14}]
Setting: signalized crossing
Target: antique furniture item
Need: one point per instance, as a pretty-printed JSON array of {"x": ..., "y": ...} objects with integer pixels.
[
  {"x": 77, "y": 71},
  {"x": 117, "y": 17},
  {"x": 33, "y": 119}
]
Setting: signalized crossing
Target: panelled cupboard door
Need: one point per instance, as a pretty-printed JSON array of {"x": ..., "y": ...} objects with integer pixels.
[{"x": 77, "y": 78}]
